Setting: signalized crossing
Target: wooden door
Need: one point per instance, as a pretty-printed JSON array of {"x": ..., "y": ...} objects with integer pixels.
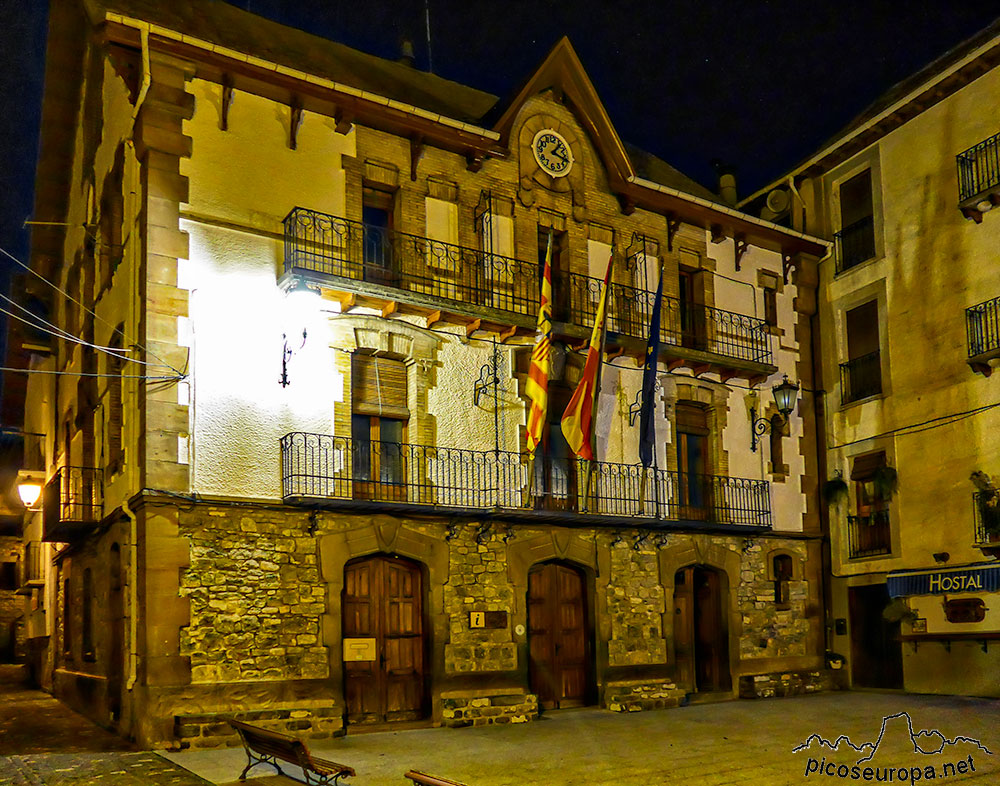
[
  {"x": 692, "y": 312},
  {"x": 116, "y": 633},
  {"x": 383, "y": 602},
  {"x": 380, "y": 252},
  {"x": 558, "y": 637},
  {"x": 694, "y": 488},
  {"x": 876, "y": 650},
  {"x": 380, "y": 458},
  {"x": 701, "y": 639},
  {"x": 684, "y": 628}
]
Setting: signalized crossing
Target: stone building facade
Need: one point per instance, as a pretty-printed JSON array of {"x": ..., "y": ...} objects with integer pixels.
[
  {"x": 908, "y": 324},
  {"x": 296, "y": 489}
]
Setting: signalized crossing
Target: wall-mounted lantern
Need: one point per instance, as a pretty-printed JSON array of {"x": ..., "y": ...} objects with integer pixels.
[
  {"x": 785, "y": 395},
  {"x": 29, "y": 487}
]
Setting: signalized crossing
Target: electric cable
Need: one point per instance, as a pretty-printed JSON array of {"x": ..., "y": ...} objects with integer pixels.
[{"x": 89, "y": 311}]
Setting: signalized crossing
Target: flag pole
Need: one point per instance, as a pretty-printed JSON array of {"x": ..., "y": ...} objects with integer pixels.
[{"x": 591, "y": 464}]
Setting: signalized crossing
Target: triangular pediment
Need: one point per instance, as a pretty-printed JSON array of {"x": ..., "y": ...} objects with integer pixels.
[{"x": 563, "y": 73}]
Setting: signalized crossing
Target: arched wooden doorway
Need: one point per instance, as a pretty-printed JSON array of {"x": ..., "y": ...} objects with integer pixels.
[
  {"x": 701, "y": 632},
  {"x": 559, "y": 636},
  {"x": 384, "y": 642}
]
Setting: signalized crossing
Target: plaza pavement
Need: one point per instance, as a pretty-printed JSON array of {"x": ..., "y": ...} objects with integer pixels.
[{"x": 734, "y": 742}]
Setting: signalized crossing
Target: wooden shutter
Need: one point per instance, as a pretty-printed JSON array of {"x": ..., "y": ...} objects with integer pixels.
[
  {"x": 379, "y": 386},
  {"x": 691, "y": 418},
  {"x": 865, "y": 467}
]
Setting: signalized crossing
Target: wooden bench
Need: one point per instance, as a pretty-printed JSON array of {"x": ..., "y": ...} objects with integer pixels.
[
  {"x": 264, "y": 746},
  {"x": 424, "y": 779}
]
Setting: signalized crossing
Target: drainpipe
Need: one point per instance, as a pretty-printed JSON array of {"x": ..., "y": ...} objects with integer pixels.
[
  {"x": 144, "y": 86},
  {"x": 133, "y": 594}
]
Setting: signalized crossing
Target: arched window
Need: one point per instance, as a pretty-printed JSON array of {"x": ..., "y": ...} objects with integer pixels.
[{"x": 782, "y": 575}]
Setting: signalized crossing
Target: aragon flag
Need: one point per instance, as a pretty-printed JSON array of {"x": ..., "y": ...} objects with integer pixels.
[
  {"x": 578, "y": 419},
  {"x": 647, "y": 427},
  {"x": 537, "y": 386}
]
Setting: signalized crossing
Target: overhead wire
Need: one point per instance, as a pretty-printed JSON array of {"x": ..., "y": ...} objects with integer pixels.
[{"x": 89, "y": 311}]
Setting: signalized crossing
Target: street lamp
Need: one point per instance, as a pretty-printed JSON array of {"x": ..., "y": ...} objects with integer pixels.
[
  {"x": 29, "y": 487},
  {"x": 785, "y": 395}
]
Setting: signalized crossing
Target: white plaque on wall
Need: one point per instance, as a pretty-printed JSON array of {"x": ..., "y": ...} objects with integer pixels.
[{"x": 359, "y": 649}]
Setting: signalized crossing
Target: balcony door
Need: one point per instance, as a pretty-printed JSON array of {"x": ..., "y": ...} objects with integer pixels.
[
  {"x": 379, "y": 453},
  {"x": 862, "y": 376},
  {"x": 692, "y": 312},
  {"x": 560, "y": 288},
  {"x": 694, "y": 491},
  {"x": 380, "y": 252},
  {"x": 555, "y": 479}
]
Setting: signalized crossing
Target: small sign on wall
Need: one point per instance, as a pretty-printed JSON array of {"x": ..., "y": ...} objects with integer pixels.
[
  {"x": 359, "y": 649},
  {"x": 488, "y": 620}
]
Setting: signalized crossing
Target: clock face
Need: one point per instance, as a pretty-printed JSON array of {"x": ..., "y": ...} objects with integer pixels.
[{"x": 552, "y": 153}]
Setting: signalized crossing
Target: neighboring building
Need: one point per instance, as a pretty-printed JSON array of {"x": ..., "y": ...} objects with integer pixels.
[
  {"x": 315, "y": 505},
  {"x": 910, "y": 323}
]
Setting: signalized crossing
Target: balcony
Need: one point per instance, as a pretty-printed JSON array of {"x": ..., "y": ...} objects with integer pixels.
[
  {"x": 377, "y": 264},
  {"x": 869, "y": 536},
  {"x": 979, "y": 178},
  {"x": 855, "y": 243},
  {"x": 72, "y": 503},
  {"x": 348, "y": 474},
  {"x": 714, "y": 335},
  {"x": 380, "y": 268},
  {"x": 861, "y": 377},
  {"x": 982, "y": 326},
  {"x": 32, "y": 569}
]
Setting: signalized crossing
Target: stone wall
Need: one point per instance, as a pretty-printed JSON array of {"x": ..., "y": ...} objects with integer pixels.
[
  {"x": 320, "y": 719},
  {"x": 795, "y": 683},
  {"x": 478, "y": 582},
  {"x": 635, "y": 695},
  {"x": 769, "y": 631},
  {"x": 486, "y": 708},
  {"x": 11, "y": 606},
  {"x": 256, "y": 596},
  {"x": 635, "y": 604}
]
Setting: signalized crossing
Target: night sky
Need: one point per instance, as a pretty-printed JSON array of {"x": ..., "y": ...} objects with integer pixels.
[{"x": 759, "y": 84}]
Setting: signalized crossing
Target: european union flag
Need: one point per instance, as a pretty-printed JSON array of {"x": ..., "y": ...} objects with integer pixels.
[{"x": 647, "y": 428}]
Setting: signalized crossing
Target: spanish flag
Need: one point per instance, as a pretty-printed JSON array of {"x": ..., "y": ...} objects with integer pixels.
[
  {"x": 578, "y": 419},
  {"x": 537, "y": 386}
]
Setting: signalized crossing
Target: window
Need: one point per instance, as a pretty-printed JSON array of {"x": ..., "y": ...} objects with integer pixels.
[
  {"x": 66, "y": 623},
  {"x": 770, "y": 306},
  {"x": 8, "y": 575},
  {"x": 868, "y": 531},
  {"x": 856, "y": 238},
  {"x": 861, "y": 375},
  {"x": 88, "y": 615},
  {"x": 777, "y": 434},
  {"x": 115, "y": 451},
  {"x": 782, "y": 566},
  {"x": 692, "y": 312}
]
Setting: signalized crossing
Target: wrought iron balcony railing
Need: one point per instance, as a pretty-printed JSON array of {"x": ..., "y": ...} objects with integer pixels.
[
  {"x": 332, "y": 246},
  {"x": 855, "y": 243},
  {"x": 861, "y": 377},
  {"x": 986, "y": 507},
  {"x": 335, "y": 246},
  {"x": 982, "y": 325},
  {"x": 630, "y": 312},
  {"x": 73, "y": 503},
  {"x": 869, "y": 536},
  {"x": 32, "y": 570},
  {"x": 324, "y": 466},
  {"x": 979, "y": 169}
]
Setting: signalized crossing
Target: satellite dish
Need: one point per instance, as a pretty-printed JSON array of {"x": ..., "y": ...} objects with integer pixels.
[{"x": 778, "y": 201}]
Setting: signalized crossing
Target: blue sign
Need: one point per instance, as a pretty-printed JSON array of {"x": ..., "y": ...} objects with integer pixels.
[{"x": 972, "y": 578}]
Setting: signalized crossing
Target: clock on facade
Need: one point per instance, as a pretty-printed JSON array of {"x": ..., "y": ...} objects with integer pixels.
[{"x": 552, "y": 152}]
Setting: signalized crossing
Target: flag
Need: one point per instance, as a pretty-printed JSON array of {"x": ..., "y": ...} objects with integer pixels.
[
  {"x": 537, "y": 386},
  {"x": 647, "y": 428},
  {"x": 578, "y": 419}
]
